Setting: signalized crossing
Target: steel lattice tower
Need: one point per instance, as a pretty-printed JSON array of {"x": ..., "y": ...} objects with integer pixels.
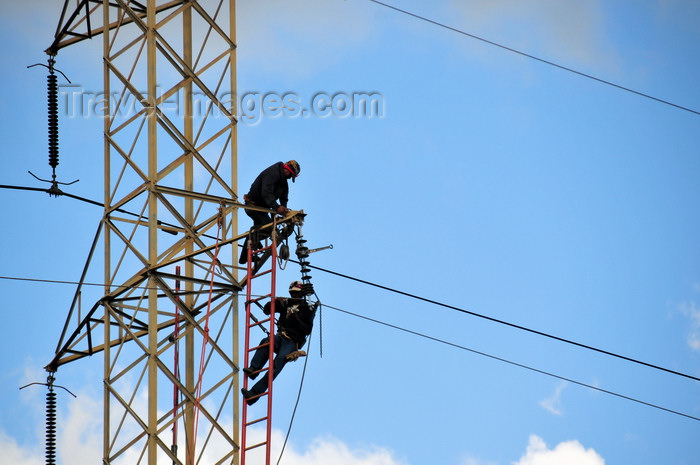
[{"x": 166, "y": 320}]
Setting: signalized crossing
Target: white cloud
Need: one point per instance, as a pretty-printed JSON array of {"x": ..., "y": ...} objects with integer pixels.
[
  {"x": 323, "y": 451},
  {"x": 553, "y": 403},
  {"x": 692, "y": 311},
  {"x": 569, "y": 30},
  {"x": 81, "y": 434},
  {"x": 569, "y": 453},
  {"x": 14, "y": 454},
  {"x": 299, "y": 38},
  {"x": 79, "y": 440}
]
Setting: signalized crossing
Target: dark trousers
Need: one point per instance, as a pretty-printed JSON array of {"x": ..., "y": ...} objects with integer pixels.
[
  {"x": 283, "y": 347},
  {"x": 259, "y": 219}
]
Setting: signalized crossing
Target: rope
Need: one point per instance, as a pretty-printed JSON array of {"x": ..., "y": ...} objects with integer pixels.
[
  {"x": 296, "y": 404},
  {"x": 205, "y": 340},
  {"x": 320, "y": 325},
  {"x": 176, "y": 368},
  {"x": 302, "y": 253}
]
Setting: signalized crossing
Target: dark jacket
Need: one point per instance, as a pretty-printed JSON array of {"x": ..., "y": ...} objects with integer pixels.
[
  {"x": 269, "y": 187},
  {"x": 296, "y": 318}
]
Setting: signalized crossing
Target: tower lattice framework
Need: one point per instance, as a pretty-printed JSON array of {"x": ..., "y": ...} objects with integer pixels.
[{"x": 165, "y": 322}]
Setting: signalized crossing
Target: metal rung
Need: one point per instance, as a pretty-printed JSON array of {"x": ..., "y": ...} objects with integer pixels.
[
  {"x": 258, "y": 323},
  {"x": 263, "y": 273},
  {"x": 253, "y": 349},
  {"x": 256, "y": 421},
  {"x": 258, "y": 299},
  {"x": 264, "y": 443},
  {"x": 262, "y": 370},
  {"x": 257, "y": 261}
]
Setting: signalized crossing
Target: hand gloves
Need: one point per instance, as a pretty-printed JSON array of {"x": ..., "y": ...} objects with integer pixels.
[{"x": 292, "y": 357}]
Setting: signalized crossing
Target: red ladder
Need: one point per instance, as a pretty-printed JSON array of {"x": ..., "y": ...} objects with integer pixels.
[{"x": 261, "y": 254}]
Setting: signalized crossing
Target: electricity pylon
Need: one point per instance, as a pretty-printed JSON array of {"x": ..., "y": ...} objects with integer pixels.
[{"x": 166, "y": 320}]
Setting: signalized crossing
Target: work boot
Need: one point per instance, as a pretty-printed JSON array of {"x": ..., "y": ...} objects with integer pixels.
[
  {"x": 244, "y": 253},
  {"x": 250, "y": 373},
  {"x": 257, "y": 235},
  {"x": 253, "y": 241},
  {"x": 249, "y": 397}
]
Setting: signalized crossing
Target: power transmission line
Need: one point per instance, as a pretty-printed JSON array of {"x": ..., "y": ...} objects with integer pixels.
[
  {"x": 441, "y": 341},
  {"x": 541, "y": 60},
  {"x": 500, "y": 359},
  {"x": 506, "y": 323},
  {"x": 434, "y": 302},
  {"x": 48, "y": 281},
  {"x": 495, "y": 320}
]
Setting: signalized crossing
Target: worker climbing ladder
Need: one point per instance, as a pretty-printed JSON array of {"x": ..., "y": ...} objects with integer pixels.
[
  {"x": 260, "y": 282},
  {"x": 258, "y": 254}
]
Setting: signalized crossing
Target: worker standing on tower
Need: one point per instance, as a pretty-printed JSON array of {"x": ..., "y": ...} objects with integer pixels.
[
  {"x": 293, "y": 326},
  {"x": 269, "y": 190}
]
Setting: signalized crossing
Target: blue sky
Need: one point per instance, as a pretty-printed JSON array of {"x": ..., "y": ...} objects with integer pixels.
[{"x": 490, "y": 182}]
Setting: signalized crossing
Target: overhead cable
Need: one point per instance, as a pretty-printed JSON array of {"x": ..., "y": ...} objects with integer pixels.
[
  {"x": 495, "y": 320},
  {"x": 512, "y": 325},
  {"x": 442, "y": 341},
  {"x": 86, "y": 200},
  {"x": 541, "y": 60}
]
